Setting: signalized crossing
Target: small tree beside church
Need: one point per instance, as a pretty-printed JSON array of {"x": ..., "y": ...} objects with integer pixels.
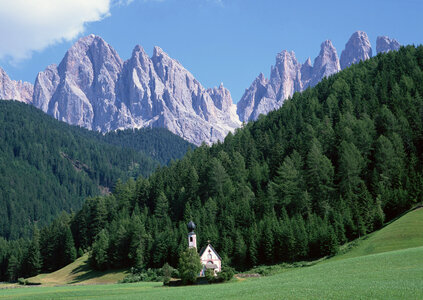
[{"x": 189, "y": 266}]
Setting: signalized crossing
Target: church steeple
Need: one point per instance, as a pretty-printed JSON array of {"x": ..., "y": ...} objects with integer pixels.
[{"x": 192, "y": 238}]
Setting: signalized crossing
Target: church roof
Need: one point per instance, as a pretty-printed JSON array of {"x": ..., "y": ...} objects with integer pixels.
[{"x": 211, "y": 247}]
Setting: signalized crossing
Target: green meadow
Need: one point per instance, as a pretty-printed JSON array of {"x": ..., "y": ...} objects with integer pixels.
[
  {"x": 405, "y": 232},
  {"x": 386, "y": 265}
]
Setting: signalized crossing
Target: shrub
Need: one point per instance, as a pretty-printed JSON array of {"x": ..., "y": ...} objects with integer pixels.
[
  {"x": 210, "y": 276},
  {"x": 226, "y": 274},
  {"x": 167, "y": 273},
  {"x": 175, "y": 273},
  {"x": 138, "y": 275}
]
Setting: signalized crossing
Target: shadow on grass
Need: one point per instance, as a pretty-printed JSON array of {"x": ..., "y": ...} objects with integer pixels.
[{"x": 88, "y": 273}]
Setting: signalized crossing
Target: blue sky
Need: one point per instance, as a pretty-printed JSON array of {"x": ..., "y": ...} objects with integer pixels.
[{"x": 229, "y": 41}]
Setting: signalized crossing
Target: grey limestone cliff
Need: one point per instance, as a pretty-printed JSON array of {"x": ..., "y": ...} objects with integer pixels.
[
  {"x": 385, "y": 44},
  {"x": 357, "y": 49},
  {"x": 286, "y": 77},
  {"x": 92, "y": 87},
  {"x": 14, "y": 90}
]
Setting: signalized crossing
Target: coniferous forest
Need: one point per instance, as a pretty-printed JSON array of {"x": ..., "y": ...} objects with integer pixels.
[
  {"x": 334, "y": 163},
  {"x": 47, "y": 166}
]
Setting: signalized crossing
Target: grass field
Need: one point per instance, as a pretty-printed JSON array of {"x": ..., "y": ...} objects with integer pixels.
[
  {"x": 387, "y": 265},
  {"x": 406, "y": 232},
  {"x": 390, "y": 275}
]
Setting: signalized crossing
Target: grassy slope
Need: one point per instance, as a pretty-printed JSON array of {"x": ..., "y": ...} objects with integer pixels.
[
  {"x": 380, "y": 267},
  {"x": 79, "y": 272},
  {"x": 405, "y": 232}
]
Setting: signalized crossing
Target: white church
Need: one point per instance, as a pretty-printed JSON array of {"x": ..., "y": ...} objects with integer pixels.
[{"x": 208, "y": 256}]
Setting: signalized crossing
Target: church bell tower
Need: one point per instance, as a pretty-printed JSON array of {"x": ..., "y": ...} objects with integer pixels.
[{"x": 192, "y": 238}]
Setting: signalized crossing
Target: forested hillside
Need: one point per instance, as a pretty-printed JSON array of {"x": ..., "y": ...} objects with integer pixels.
[
  {"x": 47, "y": 166},
  {"x": 159, "y": 143},
  {"x": 334, "y": 163}
]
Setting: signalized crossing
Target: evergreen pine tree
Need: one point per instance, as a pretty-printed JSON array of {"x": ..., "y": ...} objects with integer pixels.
[
  {"x": 189, "y": 266},
  {"x": 98, "y": 257}
]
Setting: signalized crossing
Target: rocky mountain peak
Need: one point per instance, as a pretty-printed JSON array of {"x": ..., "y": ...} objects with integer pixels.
[
  {"x": 284, "y": 75},
  {"x": 139, "y": 57},
  {"x": 357, "y": 48},
  {"x": 325, "y": 64},
  {"x": 221, "y": 97},
  {"x": 161, "y": 57},
  {"x": 307, "y": 63},
  {"x": 82, "y": 89},
  {"x": 386, "y": 44},
  {"x": 93, "y": 88},
  {"x": 45, "y": 86},
  {"x": 157, "y": 51},
  {"x": 261, "y": 78},
  {"x": 257, "y": 99},
  {"x": 16, "y": 90},
  {"x": 327, "y": 51},
  {"x": 91, "y": 50},
  {"x": 138, "y": 50}
]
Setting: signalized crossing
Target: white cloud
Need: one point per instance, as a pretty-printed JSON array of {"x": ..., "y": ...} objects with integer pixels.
[{"x": 32, "y": 25}]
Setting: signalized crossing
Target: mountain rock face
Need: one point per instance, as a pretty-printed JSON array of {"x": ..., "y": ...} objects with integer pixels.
[
  {"x": 92, "y": 87},
  {"x": 385, "y": 44},
  {"x": 81, "y": 90},
  {"x": 258, "y": 99},
  {"x": 286, "y": 77},
  {"x": 326, "y": 64},
  {"x": 45, "y": 85},
  {"x": 160, "y": 92},
  {"x": 16, "y": 90},
  {"x": 357, "y": 48}
]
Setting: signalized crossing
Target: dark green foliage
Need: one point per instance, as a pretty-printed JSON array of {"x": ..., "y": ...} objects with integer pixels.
[
  {"x": 210, "y": 276},
  {"x": 98, "y": 256},
  {"x": 139, "y": 275},
  {"x": 167, "y": 273},
  {"x": 189, "y": 266},
  {"x": 226, "y": 274},
  {"x": 31, "y": 264},
  {"x": 158, "y": 143},
  {"x": 57, "y": 245},
  {"x": 12, "y": 268},
  {"x": 47, "y": 166}
]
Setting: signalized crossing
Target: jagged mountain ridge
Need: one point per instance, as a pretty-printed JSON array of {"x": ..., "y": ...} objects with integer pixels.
[
  {"x": 386, "y": 44},
  {"x": 289, "y": 76},
  {"x": 94, "y": 88},
  {"x": 358, "y": 48},
  {"x": 18, "y": 90},
  {"x": 286, "y": 77}
]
